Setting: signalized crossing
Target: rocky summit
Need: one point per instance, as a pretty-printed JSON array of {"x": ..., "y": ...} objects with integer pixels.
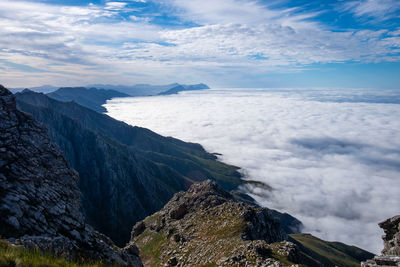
[
  {"x": 39, "y": 196},
  {"x": 206, "y": 226},
  {"x": 391, "y": 240}
]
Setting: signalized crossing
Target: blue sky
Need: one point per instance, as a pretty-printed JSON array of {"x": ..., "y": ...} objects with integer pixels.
[{"x": 228, "y": 43}]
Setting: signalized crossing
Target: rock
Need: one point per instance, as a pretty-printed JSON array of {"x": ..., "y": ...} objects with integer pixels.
[
  {"x": 207, "y": 225},
  {"x": 39, "y": 197},
  {"x": 391, "y": 251},
  {"x": 392, "y": 236}
]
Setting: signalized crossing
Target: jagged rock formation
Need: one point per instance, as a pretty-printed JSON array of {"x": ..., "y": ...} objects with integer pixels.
[
  {"x": 207, "y": 226},
  {"x": 391, "y": 251},
  {"x": 39, "y": 196},
  {"x": 126, "y": 173}
]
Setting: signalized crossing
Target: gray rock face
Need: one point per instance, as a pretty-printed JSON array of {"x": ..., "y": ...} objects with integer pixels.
[
  {"x": 39, "y": 196},
  {"x": 392, "y": 236},
  {"x": 207, "y": 226},
  {"x": 391, "y": 251}
]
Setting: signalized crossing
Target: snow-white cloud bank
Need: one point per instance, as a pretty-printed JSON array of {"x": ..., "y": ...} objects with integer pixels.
[{"x": 332, "y": 161}]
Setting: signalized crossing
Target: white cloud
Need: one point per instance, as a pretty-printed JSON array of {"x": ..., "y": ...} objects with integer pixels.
[
  {"x": 115, "y": 5},
  {"x": 233, "y": 33},
  {"x": 333, "y": 165},
  {"x": 378, "y": 9}
]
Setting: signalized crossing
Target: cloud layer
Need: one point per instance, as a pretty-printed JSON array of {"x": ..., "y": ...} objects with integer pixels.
[
  {"x": 332, "y": 160},
  {"x": 127, "y": 41}
]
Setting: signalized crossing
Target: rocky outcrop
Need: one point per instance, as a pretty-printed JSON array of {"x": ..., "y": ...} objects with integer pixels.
[
  {"x": 391, "y": 241},
  {"x": 39, "y": 196},
  {"x": 206, "y": 225}
]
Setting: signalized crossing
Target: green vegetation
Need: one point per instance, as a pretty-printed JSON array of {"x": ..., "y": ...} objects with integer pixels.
[
  {"x": 11, "y": 256},
  {"x": 151, "y": 250},
  {"x": 331, "y": 253}
]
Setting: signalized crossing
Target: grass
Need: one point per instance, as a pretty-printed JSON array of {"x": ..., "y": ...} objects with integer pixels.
[
  {"x": 150, "y": 251},
  {"x": 331, "y": 253},
  {"x": 12, "y": 256}
]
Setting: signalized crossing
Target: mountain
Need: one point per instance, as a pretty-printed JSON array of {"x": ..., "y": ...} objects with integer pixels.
[
  {"x": 149, "y": 90},
  {"x": 138, "y": 89},
  {"x": 180, "y": 88},
  {"x": 39, "y": 89},
  {"x": 173, "y": 90},
  {"x": 39, "y": 196},
  {"x": 126, "y": 173},
  {"x": 91, "y": 98},
  {"x": 207, "y": 226}
]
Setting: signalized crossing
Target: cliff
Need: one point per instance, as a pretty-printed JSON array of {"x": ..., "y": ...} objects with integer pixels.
[
  {"x": 39, "y": 196},
  {"x": 391, "y": 240},
  {"x": 126, "y": 173}
]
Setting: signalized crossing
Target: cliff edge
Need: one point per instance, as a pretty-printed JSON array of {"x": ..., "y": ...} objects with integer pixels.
[{"x": 39, "y": 196}]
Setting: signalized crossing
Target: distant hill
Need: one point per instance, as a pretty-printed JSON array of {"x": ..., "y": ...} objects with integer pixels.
[
  {"x": 180, "y": 88},
  {"x": 40, "y": 89},
  {"x": 126, "y": 173},
  {"x": 92, "y": 98},
  {"x": 149, "y": 90},
  {"x": 138, "y": 89}
]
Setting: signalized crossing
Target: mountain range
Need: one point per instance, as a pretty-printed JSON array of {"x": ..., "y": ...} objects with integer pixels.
[
  {"x": 186, "y": 206},
  {"x": 121, "y": 166}
]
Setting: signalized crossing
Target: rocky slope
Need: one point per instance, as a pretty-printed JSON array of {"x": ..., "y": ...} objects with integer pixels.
[
  {"x": 206, "y": 226},
  {"x": 391, "y": 240},
  {"x": 126, "y": 173},
  {"x": 39, "y": 196}
]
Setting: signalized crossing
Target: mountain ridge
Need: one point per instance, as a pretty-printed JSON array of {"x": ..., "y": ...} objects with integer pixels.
[
  {"x": 92, "y": 98},
  {"x": 115, "y": 159},
  {"x": 39, "y": 196}
]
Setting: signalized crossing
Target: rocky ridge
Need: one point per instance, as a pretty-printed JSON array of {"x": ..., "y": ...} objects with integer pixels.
[
  {"x": 391, "y": 251},
  {"x": 39, "y": 196},
  {"x": 206, "y": 226}
]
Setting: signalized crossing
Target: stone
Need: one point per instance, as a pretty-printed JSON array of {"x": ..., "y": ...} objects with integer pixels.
[{"x": 391, "y": 251}]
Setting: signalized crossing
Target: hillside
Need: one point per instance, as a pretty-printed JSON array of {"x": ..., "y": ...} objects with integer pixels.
[
  {"x": 206, "y": 226},
  {"x": 88, "y": 97},
  {"x": 126, "y": 173},
  {"x": 330, "y": 253},
  {"x": 39, "y": 196}
]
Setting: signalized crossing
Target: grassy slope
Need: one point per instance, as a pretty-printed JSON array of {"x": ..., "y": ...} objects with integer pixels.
[
  {"x": 15, "y": 256},
  {"x": 331, "y": 253}
]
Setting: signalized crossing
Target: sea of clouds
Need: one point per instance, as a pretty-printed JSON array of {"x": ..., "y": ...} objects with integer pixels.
[{"x": 331, "y": 157}]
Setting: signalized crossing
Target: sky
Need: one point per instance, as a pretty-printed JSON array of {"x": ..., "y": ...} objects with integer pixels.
[
  {"x": 331, "y": 158},
  {"x": 224, "y": 43}
]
